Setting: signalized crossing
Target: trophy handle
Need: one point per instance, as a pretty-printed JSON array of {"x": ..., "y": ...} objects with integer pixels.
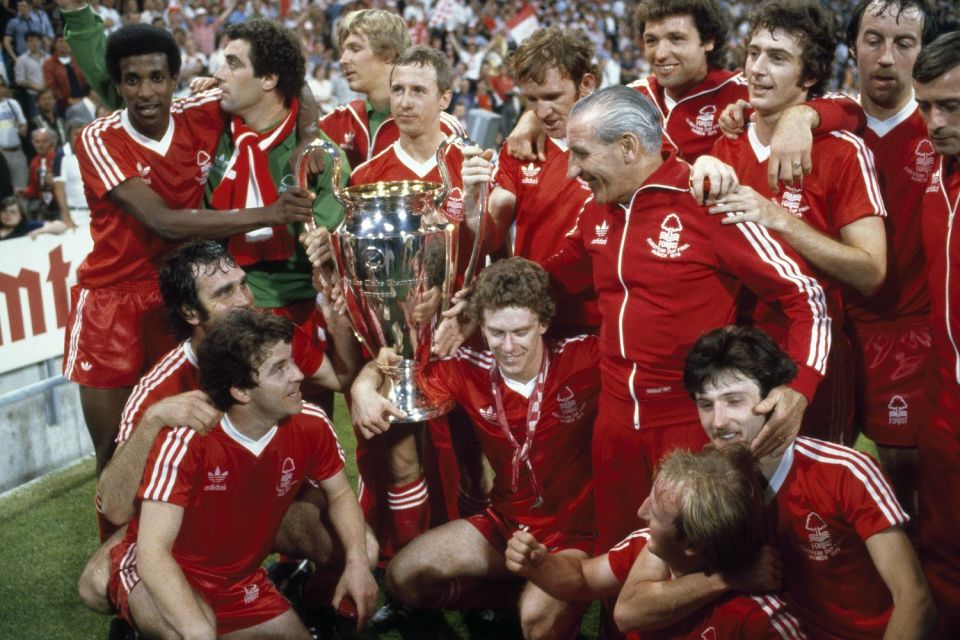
[
  {"x": 302, "y": 167},
  {"x": 481, "y": 201},
  {"x": 441, "y": 196}
]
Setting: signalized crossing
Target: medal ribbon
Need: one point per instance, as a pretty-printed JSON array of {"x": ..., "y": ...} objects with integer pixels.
[{"x": 521, "y": 453}]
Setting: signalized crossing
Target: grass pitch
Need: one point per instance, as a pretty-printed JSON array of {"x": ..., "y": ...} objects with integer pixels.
[{"x": 48, "y": 530}]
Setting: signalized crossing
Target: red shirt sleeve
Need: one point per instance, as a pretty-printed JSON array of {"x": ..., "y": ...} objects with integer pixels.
[
  {"x": 505, "y": 175},
  {"x": 838, "y": 112},
  {"x": 775, "y": 272},
  {"x": 570, "y": 269},
  {"x": 328, "y": 456},
  {"x": 622, "y": 556},
  {"x": 306, "y": 354},
  {"x": 173, "y": 463},
  {"x": 104, "y": 164}
]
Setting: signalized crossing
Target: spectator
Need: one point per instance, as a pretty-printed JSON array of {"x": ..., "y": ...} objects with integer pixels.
[
  {"x": 109, "y": 15},
  {"x": 39, "y": 189},
  {"x": 28, "y": 70},
  {"x": 85, "y": 109},
  {"x": 194, "y": 64},
  {"x": 28, "y": 20},
  {"x": 47, "y": 118},
  {"x": 63, "y": 77},
  {"x": 205, "y": 27},
  {"x": 322, "y": 88},
  {"x": 13, "y": 224},
  {"x": 13, "y": 126},
  {"x": 67, "y": 181}
]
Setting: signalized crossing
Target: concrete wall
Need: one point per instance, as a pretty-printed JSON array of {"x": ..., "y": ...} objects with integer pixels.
[{"x": 41, "y": 433}]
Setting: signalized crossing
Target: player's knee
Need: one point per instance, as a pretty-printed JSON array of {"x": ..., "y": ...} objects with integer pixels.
[
  {"x": 547, "y": 619},
  {"x": 92, "y": 586},
  {"x": 408, "y": 580}
]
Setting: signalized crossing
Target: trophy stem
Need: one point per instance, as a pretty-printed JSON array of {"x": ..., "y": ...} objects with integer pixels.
[{"x": 405, "y": 394}]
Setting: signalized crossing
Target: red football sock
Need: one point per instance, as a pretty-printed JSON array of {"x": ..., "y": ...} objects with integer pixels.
[{"x": 410, "y": 508}]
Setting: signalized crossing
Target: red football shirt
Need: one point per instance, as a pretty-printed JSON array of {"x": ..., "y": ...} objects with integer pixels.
[
  {"x": 841, "y": 189},
  {"x": 827, "y": 500},
  {"x": 941, "y": 241},
  {"x": 691, "y": 126},
  {"x": 177, "y": 373},
  {"x": 733, "y": 617},
  {"x": 904, "y": 158},
  {"x": 349, "y": 127},
  {"x": 235, "y": 491},
  {"x": 622, "y": 556},
  {"x": 665, "y": 271},
  {"x": 111, "y": 152},
  {"x": 560, "y": 453},
  {"x": 548, "y": 203}
]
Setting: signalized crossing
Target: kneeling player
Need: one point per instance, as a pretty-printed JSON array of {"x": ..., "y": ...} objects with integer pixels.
[
  {"x": 851, "y": 572},
  {"x": 705, "y": 514},
  {"x": 211, "y": 506},
  {"x": 533, "y": 403}
]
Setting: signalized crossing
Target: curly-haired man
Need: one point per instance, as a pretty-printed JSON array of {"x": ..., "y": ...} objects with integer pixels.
[{"x": 532, "y": 402}]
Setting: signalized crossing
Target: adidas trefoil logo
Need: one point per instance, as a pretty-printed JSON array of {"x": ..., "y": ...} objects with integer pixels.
[
  {"x": 217, "y": 480},
  {"x": 531, "y": 174},
  {"x": 602, "y": 229}
]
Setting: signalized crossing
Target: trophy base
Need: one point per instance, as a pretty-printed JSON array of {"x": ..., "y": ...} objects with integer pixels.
[{"x": 405, "y": 394}]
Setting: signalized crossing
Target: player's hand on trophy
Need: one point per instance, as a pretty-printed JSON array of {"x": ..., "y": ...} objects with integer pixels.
[
  {"x": 192, "y": 409},
  {"x": 427, "y": 306},
  {"x": 199, "y": 84},
  {"x": 455, "y": 327},
  {"x": 294, "y": 205},
  {"x": 318, "y": 247},
  {"x": 527, "y": 141},
  {"x": 733, "y": 121},
  {"x": 477, "y": 169},
  {"x": 720, "y": 176},
  {"x": 523, "y": 553}
]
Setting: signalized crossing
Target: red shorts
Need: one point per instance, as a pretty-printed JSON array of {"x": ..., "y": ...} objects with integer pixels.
[
  {"x": 938, "y": 484},
  {"x": 237, "y": 605},
  {"x": 892, "y": 385},
  {"x": 114, "y": 334},
  {"x": 498, "y": 531},
  {"x": 625, "y": 458}
]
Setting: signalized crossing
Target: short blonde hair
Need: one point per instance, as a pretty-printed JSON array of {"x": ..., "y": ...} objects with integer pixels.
[
  {"x": 720, "y": 504},
  {"x": 386, "y": 32}
]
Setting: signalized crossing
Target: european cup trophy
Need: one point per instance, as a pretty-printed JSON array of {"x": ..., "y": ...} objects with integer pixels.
[{"x": 396, "y": 256}]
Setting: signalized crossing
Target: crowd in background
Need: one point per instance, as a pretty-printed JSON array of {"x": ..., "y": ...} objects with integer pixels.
[{"x": 45, "y": 101}]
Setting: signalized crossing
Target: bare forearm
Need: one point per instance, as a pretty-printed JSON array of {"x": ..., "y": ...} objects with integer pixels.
[
  {"x": 121, "y": 478},
  {"x": 368, "y": 381},
  {"x": 185, "y": 224},
  {"x": 646, "y": 606},
  {"x": 346, "y": 356},
  {"x": 914, "y": 620},
  {"x": 849, "y": 265},
  {"x": 347, "y": 519},
  {"x": 561, "y": 576}
]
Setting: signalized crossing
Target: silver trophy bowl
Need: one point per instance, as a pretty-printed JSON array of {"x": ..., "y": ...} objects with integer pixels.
[{"x": 396, "y": 256}]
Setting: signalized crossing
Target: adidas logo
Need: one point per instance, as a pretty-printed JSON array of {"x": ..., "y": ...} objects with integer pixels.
[
  {"x": 602, "y": 229},
  {"x": 488, "y": 413},
  {"x": 86, "y": 366},
  {"x": 531, "y": 174},
  {"x": 217, "y": 480}
]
